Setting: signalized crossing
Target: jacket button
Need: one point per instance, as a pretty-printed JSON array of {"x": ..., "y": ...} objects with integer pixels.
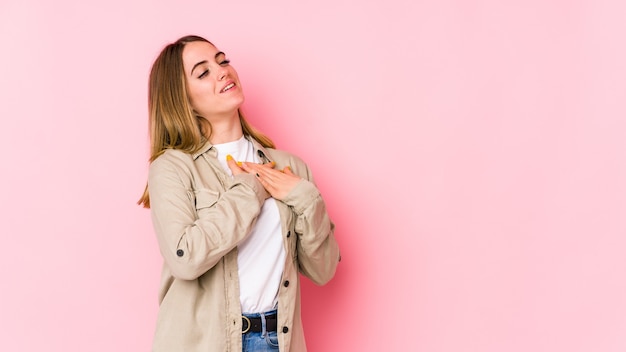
[
  {"x": 180, "y": 252},
  {"x": 285, "y": 329},
  {"x": 286, "y": 283},
  {"x": 288, "y": 234}
]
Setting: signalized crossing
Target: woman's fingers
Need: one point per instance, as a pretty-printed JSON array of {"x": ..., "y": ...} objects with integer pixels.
[
  {"x": 277, "y": 182},
  {"x": 233, "y": 165}
]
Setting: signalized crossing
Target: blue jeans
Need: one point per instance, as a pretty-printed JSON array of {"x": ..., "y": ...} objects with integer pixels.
[{"x": 260, "y": 341}]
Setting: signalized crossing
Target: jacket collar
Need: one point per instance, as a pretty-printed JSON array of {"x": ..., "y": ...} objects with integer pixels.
[
  {"x": 208, "y": 147},
  {"x": 205, "y": 148}
]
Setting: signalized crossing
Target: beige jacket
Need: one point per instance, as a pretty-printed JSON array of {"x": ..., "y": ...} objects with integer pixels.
[{"x": 200, "y": 215}]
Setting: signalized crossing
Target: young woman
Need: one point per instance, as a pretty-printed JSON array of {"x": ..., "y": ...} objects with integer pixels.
[{"x": 236, "y": 219}]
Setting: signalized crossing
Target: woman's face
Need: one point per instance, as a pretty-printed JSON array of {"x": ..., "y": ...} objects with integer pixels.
[{"x": 212, "y": 84}]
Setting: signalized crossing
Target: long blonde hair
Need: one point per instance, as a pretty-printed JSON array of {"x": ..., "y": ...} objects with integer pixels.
[{"x": 172, "y": 122}]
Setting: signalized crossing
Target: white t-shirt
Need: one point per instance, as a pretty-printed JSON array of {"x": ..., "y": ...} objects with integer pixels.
[{"x": 261, "y": 257}]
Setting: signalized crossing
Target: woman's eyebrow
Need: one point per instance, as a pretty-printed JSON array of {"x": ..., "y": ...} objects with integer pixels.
[
  {"x": 196, "y": 65},
  {"x": 205, "y": 61}
]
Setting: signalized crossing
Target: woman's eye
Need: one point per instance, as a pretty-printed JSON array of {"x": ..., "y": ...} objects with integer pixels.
[
  {"x": 224, "y": 62},
  {"x": 203, "y": 74}
]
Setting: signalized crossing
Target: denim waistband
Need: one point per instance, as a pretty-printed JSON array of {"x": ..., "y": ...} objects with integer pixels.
[{"x": 257, "y": 315}]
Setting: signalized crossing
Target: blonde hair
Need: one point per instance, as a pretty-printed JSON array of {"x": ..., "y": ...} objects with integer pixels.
[{"x": 172, "y": 121}]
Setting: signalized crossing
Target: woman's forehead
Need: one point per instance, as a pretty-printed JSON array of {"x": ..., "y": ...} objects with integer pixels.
[{"x": 198, "y": 51}]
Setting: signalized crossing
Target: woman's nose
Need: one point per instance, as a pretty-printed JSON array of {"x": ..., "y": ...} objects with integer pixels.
[{"x": 221, "y": 74}]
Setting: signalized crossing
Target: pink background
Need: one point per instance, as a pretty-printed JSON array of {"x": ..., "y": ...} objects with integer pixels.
[{"x": 472, "y": 154}]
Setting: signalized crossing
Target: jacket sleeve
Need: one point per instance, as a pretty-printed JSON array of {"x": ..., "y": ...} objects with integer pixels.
[
  {"x": 318, "y": 251},
  {"x": 195, "y": 229}
]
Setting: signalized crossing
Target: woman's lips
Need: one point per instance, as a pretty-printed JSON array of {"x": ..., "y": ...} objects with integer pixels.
[{"x": 227, "y": 87}]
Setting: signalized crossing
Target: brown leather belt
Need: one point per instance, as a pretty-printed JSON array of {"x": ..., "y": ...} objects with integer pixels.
[{"x": 256, "y": 325}]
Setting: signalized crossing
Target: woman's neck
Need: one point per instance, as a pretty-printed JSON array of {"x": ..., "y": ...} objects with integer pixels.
[{"x": 223, "y": 130}]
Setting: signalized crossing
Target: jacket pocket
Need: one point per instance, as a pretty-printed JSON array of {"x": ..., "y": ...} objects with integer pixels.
[{"x": 205, "y": 198}]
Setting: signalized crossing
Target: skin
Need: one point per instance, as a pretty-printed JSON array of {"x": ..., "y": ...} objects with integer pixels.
[{"x": 208, "y": 73}]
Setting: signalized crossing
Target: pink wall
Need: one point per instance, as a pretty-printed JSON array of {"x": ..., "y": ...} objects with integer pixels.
[{"x": 472, "y": 154}]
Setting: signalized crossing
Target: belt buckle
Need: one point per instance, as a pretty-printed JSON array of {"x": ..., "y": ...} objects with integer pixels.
[{"x": 248, "y": 323}]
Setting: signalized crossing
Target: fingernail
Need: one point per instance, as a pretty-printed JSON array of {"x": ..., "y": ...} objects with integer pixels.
[
  {"x": 239, "y": 163},
  {"x": 257, "y": 175},
  {"x": 229, "y": 157}
]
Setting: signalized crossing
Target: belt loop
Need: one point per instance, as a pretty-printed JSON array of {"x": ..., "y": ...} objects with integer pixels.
[{"x": 263, "y": 325}]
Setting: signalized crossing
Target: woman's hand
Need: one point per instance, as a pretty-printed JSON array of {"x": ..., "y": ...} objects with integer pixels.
[
  {"x": 235, "y": 167},
  {"x": 277, "y": 182}
]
